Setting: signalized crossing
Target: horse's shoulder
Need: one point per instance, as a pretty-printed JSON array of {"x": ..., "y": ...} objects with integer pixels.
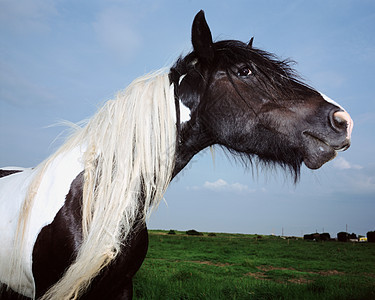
[
  {"x": 115, "y": 281},
  {"x": 58, "y": 244}
]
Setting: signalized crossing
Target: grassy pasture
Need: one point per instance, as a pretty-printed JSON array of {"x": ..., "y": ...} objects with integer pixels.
[{"x": 235, "y": 266}]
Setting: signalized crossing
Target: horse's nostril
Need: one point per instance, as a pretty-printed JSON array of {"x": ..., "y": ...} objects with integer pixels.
[{"x": 340, "y": 120}]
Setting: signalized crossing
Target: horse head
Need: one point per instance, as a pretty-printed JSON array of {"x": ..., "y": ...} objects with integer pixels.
[{"x": 254, "y": 105}]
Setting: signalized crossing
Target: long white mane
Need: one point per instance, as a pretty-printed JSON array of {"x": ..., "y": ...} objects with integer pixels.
[{"x": 130, "y": 154}]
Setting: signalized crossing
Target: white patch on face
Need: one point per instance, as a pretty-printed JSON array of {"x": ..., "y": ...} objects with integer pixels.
[
  {"x": 184, "y": 110},
  {"x": 181, "y": 78},
  {"x": 325, "y": 97},
  {"x": 184, "y": 113}
]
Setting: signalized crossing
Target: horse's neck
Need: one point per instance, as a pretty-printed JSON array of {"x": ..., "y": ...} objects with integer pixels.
[{"x": 191, "y": 141}]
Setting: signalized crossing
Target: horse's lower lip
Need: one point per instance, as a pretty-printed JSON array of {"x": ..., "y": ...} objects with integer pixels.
[
  {"x": 344, "y": 147},
  {"x": 317, "y": 151}
]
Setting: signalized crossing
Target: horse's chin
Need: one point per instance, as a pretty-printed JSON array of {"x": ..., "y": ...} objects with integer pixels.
[{"x": 317, "y": 152}]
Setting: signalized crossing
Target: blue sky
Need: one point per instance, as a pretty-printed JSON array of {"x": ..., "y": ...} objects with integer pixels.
[{"x": 60, "y": 60}]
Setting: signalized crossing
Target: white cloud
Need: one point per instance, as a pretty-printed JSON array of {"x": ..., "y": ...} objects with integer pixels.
[
  {"x": 342, "y": 164},
  {"x": 218, "y": 184},
  {"x": 366, "y": 184},
  {"x": 221, "y": 185}
]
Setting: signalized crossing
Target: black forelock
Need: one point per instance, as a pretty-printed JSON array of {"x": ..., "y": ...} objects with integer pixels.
[
  {"x": 277, "y": 77},
  {"x": 232, "y": 52}
]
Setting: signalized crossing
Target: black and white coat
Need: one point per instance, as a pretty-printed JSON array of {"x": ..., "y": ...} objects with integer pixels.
[{"x": 225, "y": 93}]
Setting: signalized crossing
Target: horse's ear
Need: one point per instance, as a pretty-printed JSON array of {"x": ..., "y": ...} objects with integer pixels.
[
  {"x": 250, "y": 44},
  {"x": 201, "y": 37}
]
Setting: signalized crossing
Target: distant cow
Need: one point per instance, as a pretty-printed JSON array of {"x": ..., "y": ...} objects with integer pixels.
[
  {"x": 312, "y": 236},
  {"x": 342, "y": 236},
  {"x": 371, "y": 236},
  {"x": 317, "y": 236},
  {"x": 325, "y": 236}
]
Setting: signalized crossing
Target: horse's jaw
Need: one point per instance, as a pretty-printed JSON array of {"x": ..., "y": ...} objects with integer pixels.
[{"x": 318, "y": 151}]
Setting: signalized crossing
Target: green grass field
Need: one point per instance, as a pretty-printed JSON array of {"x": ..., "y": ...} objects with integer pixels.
[{"x": 234, "y": 266}]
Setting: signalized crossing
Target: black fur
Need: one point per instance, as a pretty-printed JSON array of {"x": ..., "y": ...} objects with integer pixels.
[{"x": 4, "y": 173}]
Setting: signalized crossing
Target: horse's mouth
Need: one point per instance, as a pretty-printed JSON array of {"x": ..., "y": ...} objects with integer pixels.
[{"x": 318, "y": 151}]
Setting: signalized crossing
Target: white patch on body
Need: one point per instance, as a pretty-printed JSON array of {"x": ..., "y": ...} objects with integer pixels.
[
  {"x": 13, "y": 168},
  {"x": 50, "y": 197}
]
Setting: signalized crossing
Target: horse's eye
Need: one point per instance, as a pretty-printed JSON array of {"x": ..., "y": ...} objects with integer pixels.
[{"x": 244, "y": 72}]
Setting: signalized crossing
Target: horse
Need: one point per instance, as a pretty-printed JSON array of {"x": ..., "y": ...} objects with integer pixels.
[{"x": 75, "y": 225}]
